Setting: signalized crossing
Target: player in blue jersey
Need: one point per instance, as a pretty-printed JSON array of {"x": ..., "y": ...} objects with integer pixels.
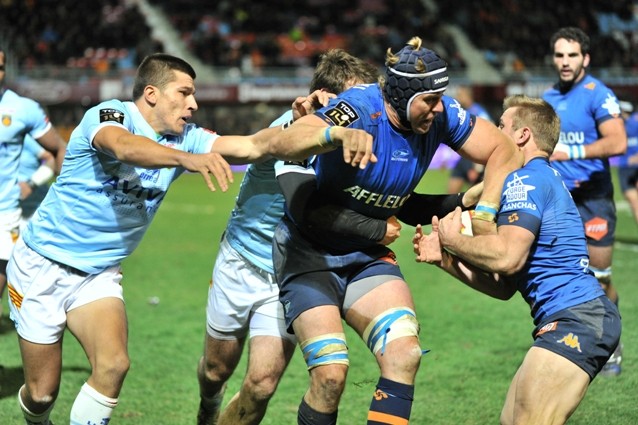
[
  {"x": 465, "y": 172},
  {"x": 592, "y": 130},
  {"x": 244, "y": 298},
  {"x": 64, "y": 272},
  {"x": 19, "y": 117},
  {"x": 326, "y": 276},
  {"x": 628, "y": 163},
  {"x": 540, "y": 250},
  {"x": 36, "y": 171}
]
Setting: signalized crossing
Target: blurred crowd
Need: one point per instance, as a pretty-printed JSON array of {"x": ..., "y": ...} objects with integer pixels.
[{"x": 249, "y": 35}]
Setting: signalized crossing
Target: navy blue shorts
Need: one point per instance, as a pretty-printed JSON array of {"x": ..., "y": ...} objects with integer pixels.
[
  {"x": 599, "y": 219},
  {"x": 627, "y": 177},
  {"x": 309, "y": 276},
  {"x": 586, "y": 334}
]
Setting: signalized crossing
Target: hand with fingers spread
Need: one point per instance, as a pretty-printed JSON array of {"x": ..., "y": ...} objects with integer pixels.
[
  {"x": 306, "y": 105},
  {"x": 356, "y": 145},
  {"x": 210, "y": 163}
]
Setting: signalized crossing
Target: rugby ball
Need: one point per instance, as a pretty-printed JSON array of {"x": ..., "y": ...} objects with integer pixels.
[{"x": 466, "y": 223}]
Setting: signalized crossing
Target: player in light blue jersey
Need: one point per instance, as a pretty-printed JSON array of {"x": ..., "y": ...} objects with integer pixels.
[
  {"x": 592, "y": 130},
  {"x": 34, "y": 175},
  {"x": 628, "y": 163},
  {"x": 64, "y": 272},
  {"x": 326, "y": 276},
  {"x": 244, "y": 298},
  {"x": 539, "y": 250},
  {"x": 19, "y": 117}
]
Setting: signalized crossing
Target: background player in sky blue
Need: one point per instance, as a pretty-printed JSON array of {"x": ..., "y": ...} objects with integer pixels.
[
  {"x": 34, "y": 175},
  {"x": 19, "y": 116},
  {"x": 539, "y": 249},
  {"x": 65, "y": 270},
  {"x": 244, "y": 299},
  {"x": 591, "y": 131},
  {"x": 406, "y": 118},
  {"x": 628, "y": 163}
]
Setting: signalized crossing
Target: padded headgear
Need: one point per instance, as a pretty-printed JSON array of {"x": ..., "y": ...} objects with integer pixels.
[{"x": 403, "y": 82}]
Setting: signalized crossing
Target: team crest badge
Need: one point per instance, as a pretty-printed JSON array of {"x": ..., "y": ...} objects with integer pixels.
[{"x": 6, "y": 120}]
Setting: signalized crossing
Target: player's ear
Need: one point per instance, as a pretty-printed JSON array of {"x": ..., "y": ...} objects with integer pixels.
[{"x": 586, "y": 60}]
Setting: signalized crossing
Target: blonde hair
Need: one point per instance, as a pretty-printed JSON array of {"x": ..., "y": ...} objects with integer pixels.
[{"x": 539, "y": 116}]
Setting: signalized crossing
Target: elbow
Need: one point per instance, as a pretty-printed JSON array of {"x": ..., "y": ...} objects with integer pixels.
[{"x": 508, "y": 266}]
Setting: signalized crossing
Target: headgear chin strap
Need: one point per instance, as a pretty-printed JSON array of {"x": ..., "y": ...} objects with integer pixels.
[{"x": 403, "y": 82}]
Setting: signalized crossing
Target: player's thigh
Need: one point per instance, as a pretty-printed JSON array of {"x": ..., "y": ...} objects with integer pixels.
[
  {"x": 42, "y": 366},
  {"x": 317, "y": 321},
  {"x": 391, "y": 294},
  {"x": 268, "y": 358},
  {"x": 221, "y": 356},
  {"x": 600, "y": 257},
  {"x": 101, "y": 328},
  {"x": 548, "y": 387}
]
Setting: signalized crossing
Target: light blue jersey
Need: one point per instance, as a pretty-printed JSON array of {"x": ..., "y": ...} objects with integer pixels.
[
  {"x": 97, "y": 211},
  {"x": 29, "y": 163},
  {"x": 581, "y": 109},
  {"x": 556, "y": 274},
  {"x": 19, "y": 116},
  {"x": 258, "y": 210}
]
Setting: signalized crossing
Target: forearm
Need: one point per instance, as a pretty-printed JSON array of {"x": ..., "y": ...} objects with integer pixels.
[
  {"x": 488, "y": 283},
  {"x": 336, "y": 219},
  {"x": 139, "y": 151},
  {"x": 420, "y": 208},
  {"x": 302, "y": 140}
]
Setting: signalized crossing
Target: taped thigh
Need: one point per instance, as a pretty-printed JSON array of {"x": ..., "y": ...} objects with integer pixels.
[
  {"x": 325, "y": 349},
  {"x": 390, "y": 325}
]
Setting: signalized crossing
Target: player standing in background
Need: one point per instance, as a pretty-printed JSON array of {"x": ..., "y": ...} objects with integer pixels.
[
  {"x": 592, "y": 130},
  {"x": 465, "y": 172},
  {"x": 628, "y": 163},
  {"x": 324, "y": 277},
  {"x": 244, "y": 298},
  {"x": 539, "y": 249},
  {"x": 64, "y": 272},
  {"x": 34, "y": 176},
  {"x": 19, "y": 117}
]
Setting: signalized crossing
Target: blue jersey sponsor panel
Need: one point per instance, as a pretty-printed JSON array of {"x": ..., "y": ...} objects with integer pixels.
[{"x": 556, "y": 275}]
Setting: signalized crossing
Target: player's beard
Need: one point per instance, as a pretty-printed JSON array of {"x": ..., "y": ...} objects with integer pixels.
[{"x": 566, "y": 85}]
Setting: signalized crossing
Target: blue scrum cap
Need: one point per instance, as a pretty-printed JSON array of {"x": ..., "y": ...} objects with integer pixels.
[{"x": 404, "y": 82}]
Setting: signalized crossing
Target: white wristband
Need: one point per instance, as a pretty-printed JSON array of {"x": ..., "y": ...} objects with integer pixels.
[
  {"x": 42, "y": 175},
  {"x": 577, "y": 151}
]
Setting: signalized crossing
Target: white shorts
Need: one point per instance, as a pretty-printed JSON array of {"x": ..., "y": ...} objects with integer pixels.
[
  {"x": 243, "y": 299},
  {"x": 41, "y": 292},
  {"x": 9, "y": 232}
]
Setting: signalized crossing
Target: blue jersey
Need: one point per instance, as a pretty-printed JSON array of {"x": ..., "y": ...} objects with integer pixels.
[
  {"x": 19, "y": 116},
  {"x": 631, "y": 128},
  {"x": 556, "y": 274},
  {"x": 379, "y": 190},
  {"x": 98, "y": 209},
  {"x": 581, "y": 110},
  {"x": 29, "y": 163},
  {"x": 257, "y": 212}
]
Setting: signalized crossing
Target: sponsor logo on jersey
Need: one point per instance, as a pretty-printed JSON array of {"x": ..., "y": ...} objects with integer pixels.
[
  {"x": 513, "y": 218},
  {"x": 380, "y": 200},
  {"x": 571, "y": 341},
  {"x": 590, "y": 86},
  {"x": 342, "y": 114},
  {"x": 111, "y": 115},
  {"x": 133, "y": 189},
  {"x": 516, "y": 190},
  {"x": 571, "y": 137},
  {"x": 6, "y": 120},
  {"x": 401, "y": 155},
  {"x": 461, "y": 113},
  {"x": 550, "y": 327},
  {"x": 596, "y": 228}
]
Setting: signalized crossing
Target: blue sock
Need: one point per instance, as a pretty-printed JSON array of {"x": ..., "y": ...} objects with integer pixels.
[{"x": 391, "y": 403}]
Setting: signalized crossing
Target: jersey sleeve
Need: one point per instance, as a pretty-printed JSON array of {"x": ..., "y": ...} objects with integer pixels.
[
  {"x": 38, "y": 121},
  {"x": 112, "y": 112},
  {"x": 521, "y": 202},
  {"x": 605, "y": 105},
  {"x": 460, "y": 123}
]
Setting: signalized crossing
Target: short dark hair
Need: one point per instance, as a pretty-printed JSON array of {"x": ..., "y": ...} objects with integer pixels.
[
  {"x": 571, "y": 34},
  {"x": 337, "y": 69},
  {"x": 156, "y": 70}
]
